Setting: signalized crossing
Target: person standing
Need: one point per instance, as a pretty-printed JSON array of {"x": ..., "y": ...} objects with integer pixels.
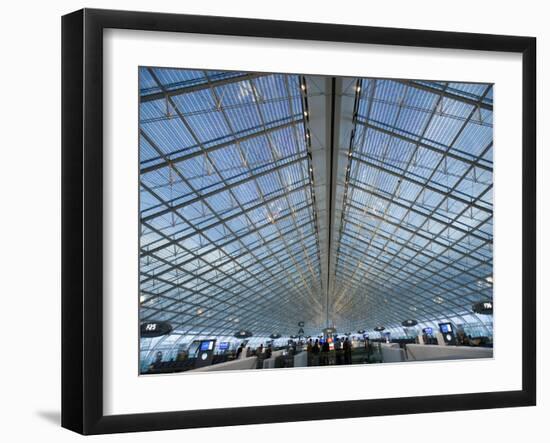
[
  {"x": 325, "y": 349},
  {"x": 347, "y": 351},
  {"x": 315, "y": 351},
  {"x": 260, "y": 354},
  {"x": 338, "y": 349},
  {"x": 239, "y": 351}
]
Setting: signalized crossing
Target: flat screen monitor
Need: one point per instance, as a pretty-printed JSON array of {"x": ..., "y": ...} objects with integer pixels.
[
  {"x": 224, "y": 346},
  {"x": 428, "y": 331},
  {"x": 207, "y": 345},
  {"x": 445, "y": 328}
]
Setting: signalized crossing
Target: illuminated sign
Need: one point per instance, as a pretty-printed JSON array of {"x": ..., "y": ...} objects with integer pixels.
[
  {"x": 155, "y": 328},
  {"x": 207, "y": 345},
  {"x": 485, "y": 308}
]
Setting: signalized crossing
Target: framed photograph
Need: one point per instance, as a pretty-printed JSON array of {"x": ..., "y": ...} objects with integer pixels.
[{"x": 270, "y": 221}]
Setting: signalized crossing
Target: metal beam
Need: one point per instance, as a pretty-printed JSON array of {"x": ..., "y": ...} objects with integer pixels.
[
  {"x": 145, "y": 253},
  {"x": 230, "y": 259},
  {"x": 383, "y": 275},
  {"x": 446, "y": 93},
  {"x": 224, "y": 220},
  {"x": 206, "y": 154},
  {"x": 197, "y": 87},
  {"x": 400, "y": 225},
  {"x": 402, "y": 244},
  {"x": 234, "y": 141},
  {"x": 318, "y": 100},
  {"x": 445, "y": 153},
  {"x": 425, "y": 185},
  {"x": 410, "y": 207},
  {"x": 343, "y": 110},
  {"x": 202, "y": 197}
]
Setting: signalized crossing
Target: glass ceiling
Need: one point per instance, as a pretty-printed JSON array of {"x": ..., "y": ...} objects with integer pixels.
[
  {"x": 231, "y": 209},
  {"x": 417, "y": 227}
]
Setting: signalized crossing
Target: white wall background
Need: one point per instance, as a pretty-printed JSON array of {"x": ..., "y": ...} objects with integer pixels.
[{"x": 30, "y": 218}]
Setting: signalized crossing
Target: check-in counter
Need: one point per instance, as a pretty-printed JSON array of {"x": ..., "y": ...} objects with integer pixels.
[
  {"x": 269, "y": 363},
  {"x": 432, "y": 352},
  {"x": 300, "y": 360},
  {"x": 239, "y": 364},
  {"x": 392, "y": 353}
]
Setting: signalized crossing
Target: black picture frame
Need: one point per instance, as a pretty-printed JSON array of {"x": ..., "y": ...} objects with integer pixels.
[{"x": 82, "y": 253}]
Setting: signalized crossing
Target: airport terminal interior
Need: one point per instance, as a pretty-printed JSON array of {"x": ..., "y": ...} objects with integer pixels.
[{"x": 292, "y": 220}]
